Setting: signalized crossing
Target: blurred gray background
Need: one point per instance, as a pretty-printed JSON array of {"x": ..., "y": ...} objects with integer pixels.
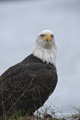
[{"x": 21, "y": 21}]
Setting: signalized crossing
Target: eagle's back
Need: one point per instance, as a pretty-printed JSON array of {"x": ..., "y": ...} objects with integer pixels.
[{"x": 26, "y": 86}]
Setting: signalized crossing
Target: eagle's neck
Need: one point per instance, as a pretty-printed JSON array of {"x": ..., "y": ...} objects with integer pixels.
[{"x": 46, "y": 55}]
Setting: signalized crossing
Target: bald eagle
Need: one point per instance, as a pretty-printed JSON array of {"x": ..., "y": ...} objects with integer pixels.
[{"x": 27, "y": 85}]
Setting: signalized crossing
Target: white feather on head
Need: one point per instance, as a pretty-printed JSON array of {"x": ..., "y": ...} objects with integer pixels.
[{"x": 44, "y": 49}]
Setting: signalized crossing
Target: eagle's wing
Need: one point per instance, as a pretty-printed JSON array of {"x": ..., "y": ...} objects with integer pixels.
[{"x": 26, "y": 87}]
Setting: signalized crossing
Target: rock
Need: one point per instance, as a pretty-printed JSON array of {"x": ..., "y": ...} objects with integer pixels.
[{"x": 48, "y": 117}]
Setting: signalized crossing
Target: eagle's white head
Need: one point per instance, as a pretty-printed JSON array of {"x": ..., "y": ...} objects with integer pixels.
[{"x": 45, "y": 48}]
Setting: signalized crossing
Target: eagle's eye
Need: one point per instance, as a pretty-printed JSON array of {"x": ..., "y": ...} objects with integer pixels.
[
  {"x": 42, "y": 35},
  {"x": 52, "y": 36}
]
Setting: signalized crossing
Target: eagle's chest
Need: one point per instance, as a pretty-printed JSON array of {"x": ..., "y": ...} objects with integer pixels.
[{"x": 46, "y": 55}]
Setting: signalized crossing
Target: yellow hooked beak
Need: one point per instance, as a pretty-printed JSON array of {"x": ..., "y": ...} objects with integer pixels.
[{"x": 47, "y": 37}]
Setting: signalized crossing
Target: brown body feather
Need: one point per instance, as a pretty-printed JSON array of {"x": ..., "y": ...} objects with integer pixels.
[{"x": 26, "y": 86}]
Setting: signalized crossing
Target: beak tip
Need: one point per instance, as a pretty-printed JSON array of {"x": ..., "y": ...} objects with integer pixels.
[{"x": 47, "y": 37}]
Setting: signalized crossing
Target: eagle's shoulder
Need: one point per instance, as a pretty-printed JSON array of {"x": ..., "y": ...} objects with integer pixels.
[
  {"x": 15, "y": 67},
  {"x": 31, "y": 59},
  {"x": 30, "y": 63}
]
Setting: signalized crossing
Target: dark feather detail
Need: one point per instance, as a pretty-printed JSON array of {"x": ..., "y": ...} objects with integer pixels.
[{"x": 26, "y": 86}]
